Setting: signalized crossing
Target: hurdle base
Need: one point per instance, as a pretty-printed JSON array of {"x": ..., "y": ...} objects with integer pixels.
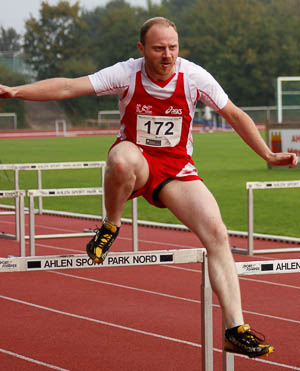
[
  {"x": 6, "y": 236},
  {"x": 238, "y": 250}
]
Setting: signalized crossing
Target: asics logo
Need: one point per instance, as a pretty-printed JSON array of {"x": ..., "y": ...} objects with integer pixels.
[{"x": 174, "y": 111}]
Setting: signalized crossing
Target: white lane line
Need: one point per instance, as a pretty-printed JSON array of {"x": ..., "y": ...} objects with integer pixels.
[
  {"x": 147, "y": 333},
  {"x": 241, "y": 278},
  {"x": 24, "y": 358},
  {"x": 165, "y": 295}
]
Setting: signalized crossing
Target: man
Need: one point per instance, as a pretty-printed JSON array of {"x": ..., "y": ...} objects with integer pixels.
[
  {"x": 152, "y": 154},
  {"x": 207, "y": 120}
]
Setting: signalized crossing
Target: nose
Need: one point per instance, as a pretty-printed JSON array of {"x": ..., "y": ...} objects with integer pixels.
[{"x": 167, "y": 52}]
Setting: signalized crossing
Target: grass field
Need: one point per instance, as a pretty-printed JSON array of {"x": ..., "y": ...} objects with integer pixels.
[{"x": 223, "y": 161}]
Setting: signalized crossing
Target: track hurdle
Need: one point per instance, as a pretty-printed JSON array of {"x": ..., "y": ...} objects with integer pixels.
[
  {"x": 39, "y": 167},
  {"x": 262, "y": 268},
  {"x": 19, "y": 200},
  {"x": 141, "y": 258},
  {"x": 63, "y": 124},
  {"x": 70, "y": 192},
  {"x": 55, "y": 193},
  {"x": 250, "y": 186}
]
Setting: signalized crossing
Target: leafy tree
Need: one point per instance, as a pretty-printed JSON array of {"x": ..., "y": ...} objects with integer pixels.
[
  {"x": 243, "y": 44},
  {"x": 12, "y": 105},
  {"x": 113, "y": 31},
  {"x": 9, "y": 40},
  {"x": 56, "y": 45},
  {"x": 55, "y": 39}
]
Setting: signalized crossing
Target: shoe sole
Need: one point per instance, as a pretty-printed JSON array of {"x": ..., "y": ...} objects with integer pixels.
[{"x": 270, "y": 350}]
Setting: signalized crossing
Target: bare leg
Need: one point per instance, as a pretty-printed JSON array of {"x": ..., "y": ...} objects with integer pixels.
[
  {"x": 193, "y": 204},
  {"x": 127, "y": 170}
]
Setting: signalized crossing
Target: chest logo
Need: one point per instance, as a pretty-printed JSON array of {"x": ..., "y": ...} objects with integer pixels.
[
  {"x": 174, "y": 111},
  {"x": 144, "y": 109}
]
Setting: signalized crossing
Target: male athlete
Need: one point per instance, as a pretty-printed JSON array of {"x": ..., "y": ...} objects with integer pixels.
[{"x": 152, "y": 154}]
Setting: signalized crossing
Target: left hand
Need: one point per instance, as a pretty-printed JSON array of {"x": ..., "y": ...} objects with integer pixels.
[{"x": 283, "y": 159}]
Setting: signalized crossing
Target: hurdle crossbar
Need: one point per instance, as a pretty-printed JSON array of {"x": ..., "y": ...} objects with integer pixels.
[
  {"x": 250, "y": 186},
  {"x": 114, "y": 259}
]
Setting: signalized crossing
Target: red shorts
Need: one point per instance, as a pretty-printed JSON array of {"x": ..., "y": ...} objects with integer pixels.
[{"x": 163, "y": 169}]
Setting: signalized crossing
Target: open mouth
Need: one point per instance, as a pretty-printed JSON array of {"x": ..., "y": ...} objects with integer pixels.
[{"x": 166, "y": 64}]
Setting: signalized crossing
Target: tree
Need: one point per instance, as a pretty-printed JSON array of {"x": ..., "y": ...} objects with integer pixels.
[
  {"x": 54, "y": 39},
  {"x": 113, "y": 32},
  {"x": 9, "y": 40},
  {"x": 11, "y": 105},
  {"x": 244, "y": 44}
]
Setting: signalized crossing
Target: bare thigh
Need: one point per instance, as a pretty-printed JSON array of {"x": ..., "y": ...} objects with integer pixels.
[
  {"x": 194, "y": 205},
  {"x": 126, "y": 161}
]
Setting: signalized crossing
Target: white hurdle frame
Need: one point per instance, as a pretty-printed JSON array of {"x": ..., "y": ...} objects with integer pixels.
[
  {"x": 38, "y": 167},
  {"x": 55, "y": 193},
  {"x": 267, "y": 185},
  {"x": 70, "y": 192},
  {"x": 122, "y": 259},
  {"x": 259, "y": 268},
  {"x": 19, "y": 200},
  {"x": 63, "y": 124}
]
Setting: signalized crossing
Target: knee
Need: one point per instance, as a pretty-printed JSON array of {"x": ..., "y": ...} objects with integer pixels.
[
  {"x": 126, "y": 162},
  {"x": 217, "y": 238},
  {"x": 118, "y": 164}
]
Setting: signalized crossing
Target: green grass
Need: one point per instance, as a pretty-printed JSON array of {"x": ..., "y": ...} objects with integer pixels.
[{"x": 223, "y": 161}]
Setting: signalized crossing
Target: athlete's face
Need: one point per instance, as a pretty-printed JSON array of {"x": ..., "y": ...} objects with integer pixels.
[{"x": 160, "y": 51}]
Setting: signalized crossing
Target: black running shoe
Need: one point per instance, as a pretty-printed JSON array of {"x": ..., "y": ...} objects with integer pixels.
[
  {"x": 97, "y": 248},
  {"x": 241, "y": 340}
]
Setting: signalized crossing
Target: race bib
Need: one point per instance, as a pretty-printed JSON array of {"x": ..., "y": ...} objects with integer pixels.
[{"x": 158, "y": 131}]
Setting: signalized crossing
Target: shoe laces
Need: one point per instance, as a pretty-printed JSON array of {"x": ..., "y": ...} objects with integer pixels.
[
  {"x": 104, "y": 239},
  {"x": 252, "y": 335}
]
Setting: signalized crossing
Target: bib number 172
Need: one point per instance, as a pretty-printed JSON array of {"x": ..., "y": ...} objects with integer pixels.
[
  {"x": 158, "y": 131},
  {"x": 160, "y": 127}
]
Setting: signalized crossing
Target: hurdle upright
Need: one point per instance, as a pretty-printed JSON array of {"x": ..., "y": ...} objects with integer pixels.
[
  {"x": 250, "y": 186},
  {"x": 19, "y": 200}
]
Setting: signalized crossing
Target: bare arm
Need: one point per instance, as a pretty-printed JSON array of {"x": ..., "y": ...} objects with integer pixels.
[
  {"x": 51, "y": 89},
  {"x": 246, "y": 128}
]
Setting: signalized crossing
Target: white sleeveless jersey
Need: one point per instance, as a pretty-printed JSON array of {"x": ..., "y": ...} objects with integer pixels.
[{"x": 159, "y": 119}]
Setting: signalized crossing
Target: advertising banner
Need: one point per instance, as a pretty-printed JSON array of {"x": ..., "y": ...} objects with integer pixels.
[{"x": 284, "y": 138}]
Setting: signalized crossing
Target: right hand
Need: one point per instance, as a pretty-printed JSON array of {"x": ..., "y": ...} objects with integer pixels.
[{"x": 5, "y": 92}]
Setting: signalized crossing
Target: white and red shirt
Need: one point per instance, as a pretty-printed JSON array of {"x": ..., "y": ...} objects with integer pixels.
[{"x": 159, "y": 118}]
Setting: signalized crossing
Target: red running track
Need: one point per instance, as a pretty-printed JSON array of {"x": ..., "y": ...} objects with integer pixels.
[{"x": 132, "y": 318}]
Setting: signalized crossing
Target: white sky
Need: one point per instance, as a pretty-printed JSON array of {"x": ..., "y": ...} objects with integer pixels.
[{"x": 13, "y": 13}]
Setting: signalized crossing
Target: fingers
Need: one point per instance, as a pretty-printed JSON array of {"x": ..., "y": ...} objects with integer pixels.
[
  {"x": 4, "y": 92},
  {"x": 294, "y": 160},
  {"x": 285, "y": 159}
]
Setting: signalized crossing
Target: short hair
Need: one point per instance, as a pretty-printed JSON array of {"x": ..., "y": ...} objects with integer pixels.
[{"x": 153, "y": 21}]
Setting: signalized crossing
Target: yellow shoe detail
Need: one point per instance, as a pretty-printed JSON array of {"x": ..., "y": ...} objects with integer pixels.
[
  {"x": 98, "y": 252},
  {"x": 111, "y": 227},
  {"x": 243, "y": 328}
]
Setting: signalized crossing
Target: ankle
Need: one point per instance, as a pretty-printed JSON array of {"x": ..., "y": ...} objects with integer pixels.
[{"x": 113, "y": 222}]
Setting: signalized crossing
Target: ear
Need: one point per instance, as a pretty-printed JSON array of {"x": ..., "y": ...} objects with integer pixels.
[{"x": 141, "y": 48}]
